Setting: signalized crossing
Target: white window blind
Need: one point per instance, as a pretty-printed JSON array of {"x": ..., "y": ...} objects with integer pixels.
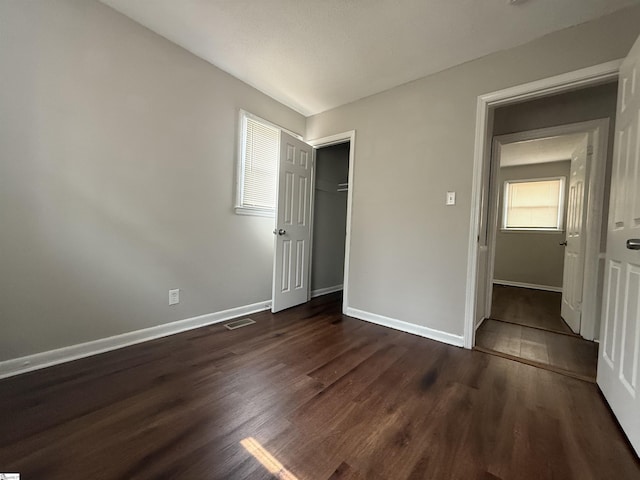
[
  {"x": 533, "y": 204},
  {"x": 259, "y": 165}
]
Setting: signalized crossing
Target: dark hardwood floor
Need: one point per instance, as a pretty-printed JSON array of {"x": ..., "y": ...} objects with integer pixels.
[
  {"x": 567, "y": 354},
  {"x": 306, "y": 394},
  {"x": 525, "y": 306}
]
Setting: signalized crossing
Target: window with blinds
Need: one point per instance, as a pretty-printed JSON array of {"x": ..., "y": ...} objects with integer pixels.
[
  {"x": 258, "y": 166},
  {"x": 533, "y": 204}
]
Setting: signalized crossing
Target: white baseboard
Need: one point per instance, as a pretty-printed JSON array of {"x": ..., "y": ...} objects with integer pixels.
[
  {"x": 37, "y": 361},
  {"x": 444, "y": 337},
  {"x": 508, "y": 283},
  {"x": 325, "y": 291},
  {"x": 479, "y": 324}
]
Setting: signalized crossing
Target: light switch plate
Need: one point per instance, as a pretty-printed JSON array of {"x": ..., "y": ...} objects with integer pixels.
[{"x": 451, "y": 198}]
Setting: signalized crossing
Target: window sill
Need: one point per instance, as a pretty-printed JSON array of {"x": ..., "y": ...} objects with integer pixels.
[{"x": 255, "y": 211}]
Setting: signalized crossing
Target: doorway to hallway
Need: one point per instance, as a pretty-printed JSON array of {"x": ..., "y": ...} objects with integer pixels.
[{"x": 546, "y": 207}]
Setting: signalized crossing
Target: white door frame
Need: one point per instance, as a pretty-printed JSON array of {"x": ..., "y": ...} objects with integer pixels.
[
  {"x": 595, "y": 203},
  {"x": 486, "y": 103},
  {"x": 350, "y": 137}
]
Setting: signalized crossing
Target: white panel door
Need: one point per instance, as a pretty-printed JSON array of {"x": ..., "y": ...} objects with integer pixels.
[
  {"x": 572, "y": 278},
  {"x": 293, "y": 224},
  {"x": 619, "y": 356}
]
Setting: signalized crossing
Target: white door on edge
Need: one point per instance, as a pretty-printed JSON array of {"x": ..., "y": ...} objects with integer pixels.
[
  {"x": 619, "y": 355},
  {"x": 293, "y": 224},
  {"x": 572, "y": 278}
]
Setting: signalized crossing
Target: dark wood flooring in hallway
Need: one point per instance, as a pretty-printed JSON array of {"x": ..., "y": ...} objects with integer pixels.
[
  {"x": 526, "y": 325},
  {"x": 306, "y": 394},
  {"x": 528, "y": 307}
]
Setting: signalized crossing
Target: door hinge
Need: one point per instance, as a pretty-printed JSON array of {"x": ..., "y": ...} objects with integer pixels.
[{"x": 589, "y": 149}]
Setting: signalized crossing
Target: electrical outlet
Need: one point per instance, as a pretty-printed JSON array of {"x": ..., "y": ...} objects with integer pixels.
[{"x": 174, "y": 296}]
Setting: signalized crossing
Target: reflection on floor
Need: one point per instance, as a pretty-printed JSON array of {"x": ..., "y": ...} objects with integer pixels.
[{"x": 526, "y": 326}]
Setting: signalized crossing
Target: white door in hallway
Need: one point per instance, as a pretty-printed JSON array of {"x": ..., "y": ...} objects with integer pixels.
[
  {"x": 572, "y": 277},
  {"x": 619, "y": 355},
  {"x": 293, "y": 224}
]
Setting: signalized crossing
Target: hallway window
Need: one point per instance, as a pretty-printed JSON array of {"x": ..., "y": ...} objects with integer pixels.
[{"x": 533, "y": 204}]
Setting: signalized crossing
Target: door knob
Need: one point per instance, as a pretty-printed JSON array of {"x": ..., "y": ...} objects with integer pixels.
[
  {"x": 279, "y": 231},
  {"x": 633, "y": 244},
  {"x": 564, "y": 244}
]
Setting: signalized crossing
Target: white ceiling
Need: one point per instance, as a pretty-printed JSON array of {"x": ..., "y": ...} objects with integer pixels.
[
  {"x": 313, "y": 55},
  {"x": 543, "y": 150}
]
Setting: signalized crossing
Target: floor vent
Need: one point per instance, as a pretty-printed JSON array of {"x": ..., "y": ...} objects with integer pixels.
[{"x": 243, "y": 322}]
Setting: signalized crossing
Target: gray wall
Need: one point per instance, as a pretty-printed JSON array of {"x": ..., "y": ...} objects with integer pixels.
[
  {"x": 117, "y": 170},
  {"x": 579, "y": 106},
  {"x": 408, "y": 256},
  {"x": 530, "y": 257},
  {"x": 329, "y": 217}
]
